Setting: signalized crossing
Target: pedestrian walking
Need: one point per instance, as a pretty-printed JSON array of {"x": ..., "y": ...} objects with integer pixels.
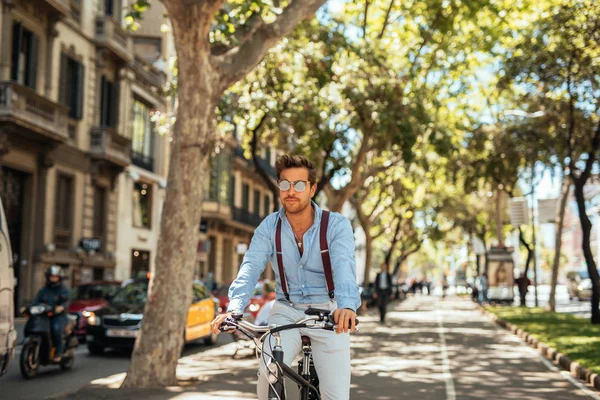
[
  {"x": 383, "y": 289},
  {"x": 523, "y": 284}
]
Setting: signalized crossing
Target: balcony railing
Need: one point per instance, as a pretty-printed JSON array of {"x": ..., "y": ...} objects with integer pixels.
[
  {"x": 149, "y": 73},
  {"x": 41, "y": 118},
  {"x": 245, "y": 217},
  {"x": 105, "y": 144},
  {"x": 142, "y": 160},
  {"x": 110, "y": 35}
]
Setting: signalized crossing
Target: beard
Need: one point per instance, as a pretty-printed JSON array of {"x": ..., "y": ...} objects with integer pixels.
[{"x": 297, "y": 206}]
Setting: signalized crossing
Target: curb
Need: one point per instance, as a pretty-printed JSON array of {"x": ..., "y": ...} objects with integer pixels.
[{"x": 575, "y": 370}]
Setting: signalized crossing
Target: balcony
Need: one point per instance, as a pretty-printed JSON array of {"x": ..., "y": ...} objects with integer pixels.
[
  {"x": 245, "y": 217},
  {"x": 111, "y": 36},
  {"x": 106, "y": 145},
  {"x": 35, "y": 116},
  {"x": 149, "y": 74},
  {"x": 60, "y": 7},
  {"x": 142, "y": 160}
]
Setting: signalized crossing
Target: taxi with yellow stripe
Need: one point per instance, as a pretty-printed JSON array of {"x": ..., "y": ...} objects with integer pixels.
[{"x": 117, "y": 324}]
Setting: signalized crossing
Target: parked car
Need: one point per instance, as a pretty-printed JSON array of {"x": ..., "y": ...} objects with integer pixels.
[
  {"x": 118, "y": 323},
  {"x": 264, "y": 291},
  {"x": 8, "y": 335},
  {"x": 90, "y": 297},
  {"x": 579, "y": 284}
]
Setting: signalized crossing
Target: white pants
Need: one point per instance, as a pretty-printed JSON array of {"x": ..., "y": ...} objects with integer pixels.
[{"x": 330, "y": 351}]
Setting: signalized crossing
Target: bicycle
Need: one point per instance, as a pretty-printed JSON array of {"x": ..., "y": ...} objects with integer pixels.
[{"x": 306, "y": 378}]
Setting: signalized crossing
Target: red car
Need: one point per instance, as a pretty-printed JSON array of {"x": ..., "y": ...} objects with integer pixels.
[
  {"x": 263, "y": 292},
  {"x": 90, "y": 297}
]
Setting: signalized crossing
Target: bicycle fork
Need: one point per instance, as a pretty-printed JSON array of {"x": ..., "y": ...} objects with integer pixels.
[{"x": 275, "y": 377}]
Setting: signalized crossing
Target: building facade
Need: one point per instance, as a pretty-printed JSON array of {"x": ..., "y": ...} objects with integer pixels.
[
  {"x": 237, "y": 200},
  {"x": 74, "y": 115}
]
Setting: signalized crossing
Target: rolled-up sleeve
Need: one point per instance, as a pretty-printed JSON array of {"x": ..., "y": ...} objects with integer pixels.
[
  {"x": 255, "y": 260},
  {"x": 343, "y": 264}
]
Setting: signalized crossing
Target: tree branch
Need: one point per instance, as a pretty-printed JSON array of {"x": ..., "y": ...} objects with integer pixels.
[
  {"x": 237, "y": 62},
  {"x": 263, "y": 174},
  {"x": 386, "y": 19},
  {"x": 367, "y": 4}
]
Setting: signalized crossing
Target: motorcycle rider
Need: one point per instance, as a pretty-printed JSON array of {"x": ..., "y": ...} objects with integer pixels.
[{"x": 56, "y": 295}]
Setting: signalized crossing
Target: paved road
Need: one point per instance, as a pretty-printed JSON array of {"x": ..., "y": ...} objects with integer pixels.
[
  {"x": 429, "y": 349},
  {"x": 53, "y": 381}
]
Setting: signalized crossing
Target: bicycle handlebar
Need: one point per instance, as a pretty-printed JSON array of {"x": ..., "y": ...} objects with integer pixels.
[{"x": 322, "y": 321}]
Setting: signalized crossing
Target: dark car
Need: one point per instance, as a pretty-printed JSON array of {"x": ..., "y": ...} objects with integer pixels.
[
  {"x": 90, "y": 297},
  {"x": 118, "y": 323}
]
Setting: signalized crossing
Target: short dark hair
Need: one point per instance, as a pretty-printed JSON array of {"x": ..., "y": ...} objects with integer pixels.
[{"x": 292, "y": 161}]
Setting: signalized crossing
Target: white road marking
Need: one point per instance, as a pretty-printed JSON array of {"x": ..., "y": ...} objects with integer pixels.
[
  {"x": 577, "y": 383},
  {"x": 450, "y": 391}
]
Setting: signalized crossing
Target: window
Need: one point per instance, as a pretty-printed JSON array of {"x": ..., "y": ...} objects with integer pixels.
[
  {"x": 232, "y": 191},
  {"x": 268, "y": 155},
  {"x": 267, "y": 201},
  {"x": 142, "y": 205},
  {"x": 245, "y": 197},
  {"x": 142, "y": 136},
  {"x": 109, "y": 103},
  {"x": 76, "y": 10},
  {"x": 140, "y": 263},
  {"x": 71, "y": 86},
  {"x": 24, "y": 56},
  {"x": 99, "y": 212},
  {"x": 256, "y": 202},
  {"x": 220, "y": 176},
  {"x": 63, "y": 211},
  {"x": 109, "y": 7},
  {"x": 200, "y": 292}
]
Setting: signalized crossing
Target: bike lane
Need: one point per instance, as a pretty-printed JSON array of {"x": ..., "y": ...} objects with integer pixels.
[{"x": 446, "y": 349}]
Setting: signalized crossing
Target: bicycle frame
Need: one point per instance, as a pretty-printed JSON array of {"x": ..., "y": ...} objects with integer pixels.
[{"x": 277, "y": 370}]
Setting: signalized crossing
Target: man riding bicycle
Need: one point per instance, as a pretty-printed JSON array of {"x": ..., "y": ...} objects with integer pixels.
[{"x": 312, "y": 254}]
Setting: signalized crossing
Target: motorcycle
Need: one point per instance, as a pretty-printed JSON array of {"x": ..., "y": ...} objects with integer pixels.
[{"x": 38, "y": 348}]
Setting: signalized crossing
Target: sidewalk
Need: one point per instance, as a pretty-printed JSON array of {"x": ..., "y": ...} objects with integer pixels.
[{"x": 429, "y": 349}]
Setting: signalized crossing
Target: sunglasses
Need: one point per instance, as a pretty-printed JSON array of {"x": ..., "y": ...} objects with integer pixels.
[{"x": 299, "y": 186}]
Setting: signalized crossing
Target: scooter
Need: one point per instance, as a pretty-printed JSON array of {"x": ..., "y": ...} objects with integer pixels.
[{"x": 38, "y": 348}]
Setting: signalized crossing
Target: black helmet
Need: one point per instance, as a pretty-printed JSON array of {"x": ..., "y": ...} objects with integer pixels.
[{"x": 53, "y": 270}]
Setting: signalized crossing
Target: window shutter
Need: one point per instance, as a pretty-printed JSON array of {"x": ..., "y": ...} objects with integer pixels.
[
  {"x": 62, "y": 92},
  {"x": 32, "y": 65},
  {"x": 16, "y": 49},
  {"x": 114, "y": 101},
  {"x": 79, "y": 91},
  {"x": 104, "y": 93}
]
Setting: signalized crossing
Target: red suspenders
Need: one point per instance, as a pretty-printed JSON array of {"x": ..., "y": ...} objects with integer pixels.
[{"x": 324, "y": 256}]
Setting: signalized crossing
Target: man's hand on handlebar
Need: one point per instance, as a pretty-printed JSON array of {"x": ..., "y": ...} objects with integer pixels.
[
  {"x": 345, "y": 319},
  {"x": 59, "y": 309},
  {"x": 216, "y": 324}
]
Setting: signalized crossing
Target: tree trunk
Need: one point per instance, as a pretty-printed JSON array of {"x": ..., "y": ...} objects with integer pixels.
[
  {"x": 158, "y": 347},
  {"x": 566, "y": 185},
  {"x": 529, "y": 251},
  {"x": 368, "y": 259},
  {"x": 586, "y": 227},
  {"x": 499, "y": 217},
  {"x": 388, "y": 256}
]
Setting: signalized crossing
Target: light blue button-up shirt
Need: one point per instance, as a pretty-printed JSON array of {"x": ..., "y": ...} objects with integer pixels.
[{"x": 304, "y": 275}]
